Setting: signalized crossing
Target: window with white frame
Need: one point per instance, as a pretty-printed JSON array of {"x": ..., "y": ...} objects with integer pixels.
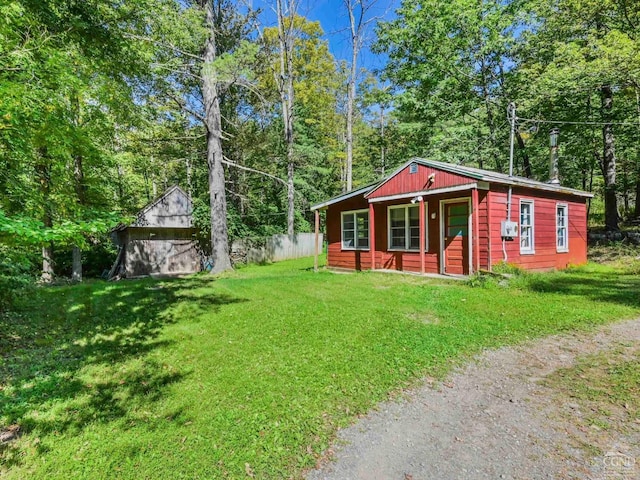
[
  {"x": 562, "y": 231},
  {"x": 526, "y": 226},
  {"x": 355, "y": 230},
  {"x": 404, "y": 227}
]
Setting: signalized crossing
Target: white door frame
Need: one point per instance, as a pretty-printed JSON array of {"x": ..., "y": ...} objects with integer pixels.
[{"x": 443, "y": 231}]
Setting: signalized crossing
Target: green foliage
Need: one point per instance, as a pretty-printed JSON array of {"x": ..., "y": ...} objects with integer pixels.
[
  {"x": 201, "y": 376},
  {"x": 26, "y": 231},
  {"x": 70, "y": 74},
  {"x": 16, "y": 276},
  {"x": 232, "y": 67},
  {"x": 507, "y": 268},
  {"x": 449, "y": 60},
  {"x": 98, "y": 256},
  {"x": 455, "y": 66}
]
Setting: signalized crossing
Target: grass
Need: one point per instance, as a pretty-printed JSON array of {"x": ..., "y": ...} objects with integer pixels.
[
  {"x": 251, "y": 373},
  {"x": 606, "y": 389},
  {"x": 617, "y": 254}
]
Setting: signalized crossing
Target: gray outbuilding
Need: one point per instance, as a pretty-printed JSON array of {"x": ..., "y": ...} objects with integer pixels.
[{"x": 161, "y": 241}]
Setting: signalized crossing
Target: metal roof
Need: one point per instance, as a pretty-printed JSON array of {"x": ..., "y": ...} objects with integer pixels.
[
  {"x": 344, "y": 196},
  {"x": 495, "y": 177},
  {"x": 472, "y": 172}
]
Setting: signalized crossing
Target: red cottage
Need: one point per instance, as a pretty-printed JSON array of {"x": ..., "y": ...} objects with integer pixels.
[{"x": 434, "y": 217}]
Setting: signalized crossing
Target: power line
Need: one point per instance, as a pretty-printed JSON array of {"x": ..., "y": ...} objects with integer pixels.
[
  {"x": 567, "y": 122},
  {"x": 592, "y": 88}
]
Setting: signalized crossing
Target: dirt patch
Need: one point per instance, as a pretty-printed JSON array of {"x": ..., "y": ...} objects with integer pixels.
[
  {"x": 428, "y": 318},
  {"x": 9, "y": 434},
  {"x": 496, "y": 418}
]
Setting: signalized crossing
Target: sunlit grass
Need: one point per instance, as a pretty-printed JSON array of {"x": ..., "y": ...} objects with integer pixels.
[
  {"x": 251, "y": 372},
  {"x": 604, "y": 390}
]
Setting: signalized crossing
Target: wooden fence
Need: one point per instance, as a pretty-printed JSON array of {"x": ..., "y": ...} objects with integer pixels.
[{"x": 275, "y": 248}]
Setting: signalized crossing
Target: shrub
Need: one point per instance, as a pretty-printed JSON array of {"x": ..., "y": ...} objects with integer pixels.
[{"x": 16, "y": 275}]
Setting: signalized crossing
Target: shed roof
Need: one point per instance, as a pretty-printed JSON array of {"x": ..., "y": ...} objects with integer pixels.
[
  {"x": 180, "y": 212},
  {"x": 471, "y": 172}
]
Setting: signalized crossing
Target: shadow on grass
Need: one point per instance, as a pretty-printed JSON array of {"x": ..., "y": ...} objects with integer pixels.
[
  {"x": 76, "y": 355},
  {"x": 621, "y": 288}
]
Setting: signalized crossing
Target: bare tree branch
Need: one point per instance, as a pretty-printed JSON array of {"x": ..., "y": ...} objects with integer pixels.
[
  {"x": 181, "y": 103},
  {"x": 226, "y": 161}
]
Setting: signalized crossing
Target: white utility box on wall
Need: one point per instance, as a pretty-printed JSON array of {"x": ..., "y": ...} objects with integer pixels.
[{"x": 508, "y": 229}]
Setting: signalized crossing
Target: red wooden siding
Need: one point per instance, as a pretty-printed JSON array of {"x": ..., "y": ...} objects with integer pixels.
[
  {"x": 483, "y": 245},
  {"x": 546, "y": 255},
  {"x": 336, "y": 256},
  {"x": 408, "y": 261},
  {"x": 405, "y": 182},
  {"x": 488, "y": 210}
]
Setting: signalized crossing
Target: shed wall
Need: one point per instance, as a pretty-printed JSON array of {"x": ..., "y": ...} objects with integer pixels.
[{"x": 150, "y": 251}]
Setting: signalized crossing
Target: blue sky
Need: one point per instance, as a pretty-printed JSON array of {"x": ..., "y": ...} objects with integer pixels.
[{"x": 332, "y": 15}]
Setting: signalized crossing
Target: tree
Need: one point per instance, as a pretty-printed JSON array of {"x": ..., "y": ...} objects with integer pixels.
[
  {"x": 357, "y": 10},
  {"x": 449, "y": 61},
  {"x": 317, "y": 149},
  {"x": 203, "y": 58},
  {"x": 65, "y": 81},
  {"x": 286, "y": 13},
  {"x": 581, "y": 50},
  {"x": 213, "y": 123}
]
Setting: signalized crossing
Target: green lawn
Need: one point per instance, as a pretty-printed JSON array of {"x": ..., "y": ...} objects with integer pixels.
[
  {"x": 606, "y": 389},
  {"x": 251, "y": 373}
]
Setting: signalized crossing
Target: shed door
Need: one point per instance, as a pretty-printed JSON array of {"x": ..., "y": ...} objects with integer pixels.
[{"x": 456, "y": 238}]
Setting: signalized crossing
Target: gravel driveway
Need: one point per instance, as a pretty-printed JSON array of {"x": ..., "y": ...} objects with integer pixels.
[{"x": 492, "y": 419}]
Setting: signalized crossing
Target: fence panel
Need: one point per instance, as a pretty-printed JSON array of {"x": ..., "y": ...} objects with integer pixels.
[{"x": 276, "y": 248}]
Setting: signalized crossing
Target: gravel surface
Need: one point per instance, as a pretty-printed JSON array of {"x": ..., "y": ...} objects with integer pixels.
[{"x": 491, "y": 419}]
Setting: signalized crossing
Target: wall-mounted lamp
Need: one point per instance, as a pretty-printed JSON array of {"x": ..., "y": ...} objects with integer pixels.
[
  {"x": 416, "y": 199},
  {"x": 431, "y": 179}
]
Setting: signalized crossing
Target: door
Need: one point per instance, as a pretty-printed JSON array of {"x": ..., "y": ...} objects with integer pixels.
[{"x": 456, "y": 238}]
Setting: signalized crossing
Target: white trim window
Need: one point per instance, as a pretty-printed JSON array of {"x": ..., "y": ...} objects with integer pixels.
[
  {"x": 562, "y": 227},
  {"x": 526, "y": 227},
  {"x": 404, "y": 227},
  {"x": 355, "y": 230}
]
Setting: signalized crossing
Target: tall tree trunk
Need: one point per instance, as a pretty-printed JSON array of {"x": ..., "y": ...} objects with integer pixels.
[
  {"x": 188, "y": 169},
  {"x": 526, "y": 163},
  {"x": 76, "y": 253},
  {"x": 637, "y": 210},
  {"x": 625, "y": 187},
  {"x": 351, "y": 91},
  {"x": 289, "y": 141},
  {"x": 43, "y": 171},
  {"x": 382, "y": 143},
  {"x": 213, "y": 123},
  {"x": 120, "y": 186},
  {"x": 76, "y": 264},
  {"x": 285, "y": 37},
  {"x": 78, "y": 174},
  {"x": 609, "y": 161}
]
